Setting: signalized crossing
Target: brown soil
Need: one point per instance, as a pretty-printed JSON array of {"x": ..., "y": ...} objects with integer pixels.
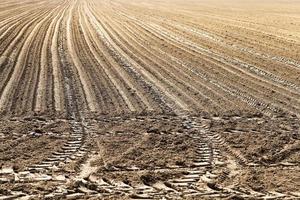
[
  {"x": 26, "y": 142},
  {"x": 266, "y": 140},
  {"x": 143, "y": 91}
]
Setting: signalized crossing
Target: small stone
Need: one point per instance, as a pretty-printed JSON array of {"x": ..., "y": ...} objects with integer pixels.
[{"x": 59, "y": 178}]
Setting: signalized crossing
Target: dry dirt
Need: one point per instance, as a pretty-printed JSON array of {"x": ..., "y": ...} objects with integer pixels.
[{"x": 127, "y": 99}]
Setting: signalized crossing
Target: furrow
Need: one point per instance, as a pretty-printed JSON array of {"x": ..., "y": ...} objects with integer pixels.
[
  {"x": 121, "y": 90},
  {"x": 19, "y": 67},
  {"x": 42, "y": 87},
  {"x": 166, "y": 71},
  {"x": 174, "y": 39},
  {"x": 90, "y": 98}
]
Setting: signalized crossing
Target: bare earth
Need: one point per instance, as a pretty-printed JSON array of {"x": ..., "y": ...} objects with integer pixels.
[{"x": 127, "y": 99}]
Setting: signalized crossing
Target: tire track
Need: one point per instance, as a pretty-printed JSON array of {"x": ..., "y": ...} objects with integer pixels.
[
  {"x": 93, "y": 58},
  {"x": 75, "y": 149}
]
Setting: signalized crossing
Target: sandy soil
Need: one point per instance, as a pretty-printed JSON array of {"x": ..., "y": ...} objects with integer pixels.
[
  {"x": 29, "y": 141},
  {"x": 145, "y": 99}
]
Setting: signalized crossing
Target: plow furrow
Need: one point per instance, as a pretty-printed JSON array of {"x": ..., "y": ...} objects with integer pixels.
[{"x": 139, "y": 99}]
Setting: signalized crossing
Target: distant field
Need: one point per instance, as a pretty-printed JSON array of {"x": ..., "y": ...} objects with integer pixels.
[{"x": 106, "y": 92}]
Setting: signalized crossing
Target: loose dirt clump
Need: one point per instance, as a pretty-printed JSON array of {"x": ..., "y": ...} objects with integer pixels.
[
  {"x": 25, "y": 142},
  {"x": 262, "y": 139},
  {"x": 146, "y": 151},
  {"x": 145, "y": 143},
  {"x": 261, "y": 179},
  {"x": 161, "y": 99}
]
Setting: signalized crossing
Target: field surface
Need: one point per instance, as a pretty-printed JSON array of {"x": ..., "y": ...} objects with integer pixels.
[{"x": 149, "y": 99}]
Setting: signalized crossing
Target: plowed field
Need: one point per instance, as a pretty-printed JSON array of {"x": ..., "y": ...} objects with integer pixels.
[{"x": 127, "y": 99}]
